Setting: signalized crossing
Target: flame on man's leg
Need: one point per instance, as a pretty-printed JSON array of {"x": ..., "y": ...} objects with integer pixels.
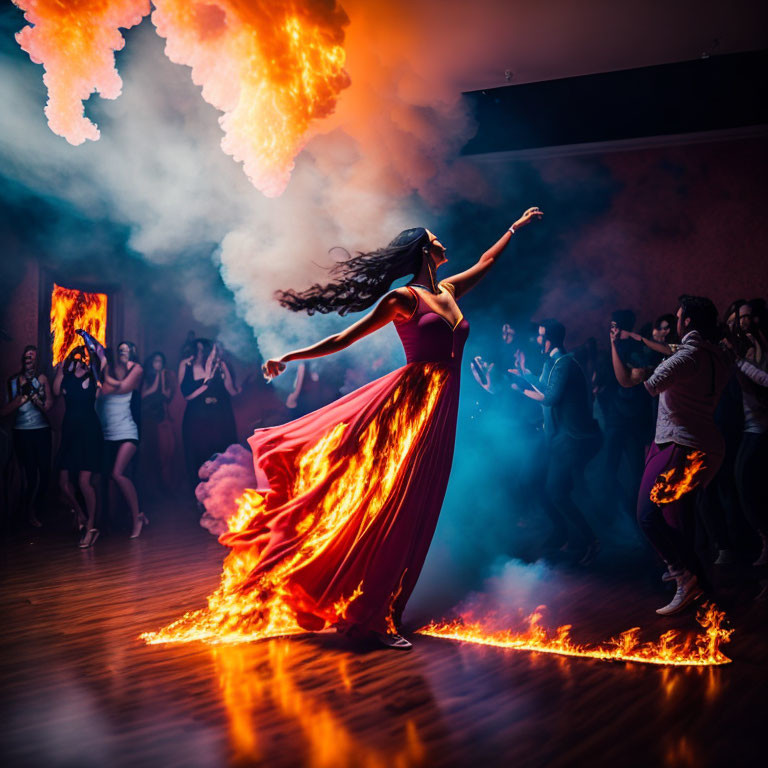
[
  {"x": 702, "y": 649},
  {"x": 676, "y": 482}
]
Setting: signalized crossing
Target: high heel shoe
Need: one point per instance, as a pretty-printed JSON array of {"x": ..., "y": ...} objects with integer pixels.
[
  {"x": 140, "y": 523},
  {"x": 397, "y": 642},
  {"x": 79, "y": 520},
  {"x": 89, "y": 539}
]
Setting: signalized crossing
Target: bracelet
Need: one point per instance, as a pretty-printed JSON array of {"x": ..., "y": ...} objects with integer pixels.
[{"x": 512, "y": 229}]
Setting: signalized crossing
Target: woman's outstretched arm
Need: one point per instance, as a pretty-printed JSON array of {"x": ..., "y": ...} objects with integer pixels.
[
  {"x": 113, "y": 386},
  {"x": 469, "y": 278},
  {"x": 397, "y": 304}
]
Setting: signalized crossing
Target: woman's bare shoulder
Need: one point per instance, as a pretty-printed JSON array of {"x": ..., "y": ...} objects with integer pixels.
[{"x": 403, "y": 302}]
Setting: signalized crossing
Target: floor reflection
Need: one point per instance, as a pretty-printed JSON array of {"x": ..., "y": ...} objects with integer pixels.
[
  {"x": 257, "y": 681},
  {"x": 704, "y": 681}
]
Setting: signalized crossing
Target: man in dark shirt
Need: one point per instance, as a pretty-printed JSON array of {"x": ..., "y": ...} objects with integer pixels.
[{"x": 573, "y": 436}]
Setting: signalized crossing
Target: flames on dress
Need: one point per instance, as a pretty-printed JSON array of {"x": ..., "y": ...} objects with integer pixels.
[
  {"x": 671, "y": 649},
  {"x": 271, "y": 66},
  {"x": 676, "y": 482},
  {"x": 72, "y": 310},
  {"x": 249, "y": 605}
]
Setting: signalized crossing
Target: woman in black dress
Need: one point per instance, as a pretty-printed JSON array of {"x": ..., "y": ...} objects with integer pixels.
[
  {"x": 81, "y": 438},
  {"x": 209, "y": 423}
]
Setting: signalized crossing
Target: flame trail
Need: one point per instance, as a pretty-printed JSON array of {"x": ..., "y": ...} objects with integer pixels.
[
  {"x": 676, "y": 482},
  {"x": 70, "y": 310},
  {"x": 75, "y": 41},
  {"x": 701, "y": 650}
]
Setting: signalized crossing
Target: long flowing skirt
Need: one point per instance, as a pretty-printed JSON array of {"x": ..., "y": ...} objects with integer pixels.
[{"x": 345, "y": 508}]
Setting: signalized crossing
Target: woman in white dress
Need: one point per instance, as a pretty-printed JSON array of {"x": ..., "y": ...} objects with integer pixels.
[{"x": 121, "y": 432}]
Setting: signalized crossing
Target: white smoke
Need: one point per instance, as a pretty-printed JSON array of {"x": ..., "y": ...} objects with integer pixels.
[{"x": 158, "y": 168}]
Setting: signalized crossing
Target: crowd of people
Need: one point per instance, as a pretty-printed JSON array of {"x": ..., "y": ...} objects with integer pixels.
[
  {"x": 116, "y": 410},
  {"x": 677, "y": 411}
]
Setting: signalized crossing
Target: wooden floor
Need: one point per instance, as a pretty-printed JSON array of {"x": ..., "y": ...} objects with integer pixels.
[{"x": 79, "y": 688}]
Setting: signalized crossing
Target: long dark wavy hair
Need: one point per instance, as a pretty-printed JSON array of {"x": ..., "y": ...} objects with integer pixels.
[{"x": 362, "y": 279}]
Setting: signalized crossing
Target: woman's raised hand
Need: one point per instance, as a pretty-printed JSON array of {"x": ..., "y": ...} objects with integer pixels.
[
  {"x": 482, "y": 373},
  {"x": 272, "y": 368},
  {"x": 530, "y": 215}
]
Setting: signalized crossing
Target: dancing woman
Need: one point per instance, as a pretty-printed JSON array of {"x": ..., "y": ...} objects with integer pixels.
[
  {"x": 81, "y": 438},
  {"x": 350, "y": 494},
  {"x": 121, "y": 432}
]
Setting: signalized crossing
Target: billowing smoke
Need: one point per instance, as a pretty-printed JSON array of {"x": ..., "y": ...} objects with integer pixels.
[
  {"x": 385, "y": 160},
  {"x": 272, "y": 67},
  {"x": 76, "y": 46}
]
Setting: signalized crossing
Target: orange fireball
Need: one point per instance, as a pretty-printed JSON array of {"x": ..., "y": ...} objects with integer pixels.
[
  {"x": 75, "y": 41},
  {"x": 272, "y": 68}
]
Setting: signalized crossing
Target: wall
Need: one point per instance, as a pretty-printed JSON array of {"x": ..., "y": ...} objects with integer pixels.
[{"x": 686, "y": 219}]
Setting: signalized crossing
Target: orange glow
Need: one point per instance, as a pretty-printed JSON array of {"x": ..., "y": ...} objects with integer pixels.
[
  {"x": 257, "y": 680},
  {"x": 241, "y": 611},
  {"x": 673, "y": 484},
  {"x": 273, "y": 69},
  {"x": 696, "y": 651},
  {"x": 72, "y": 310},
  {"x": 75, "y": 41}
]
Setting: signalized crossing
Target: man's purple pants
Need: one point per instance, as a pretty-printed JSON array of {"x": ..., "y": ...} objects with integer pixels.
[{"x": 669, "y": 527}]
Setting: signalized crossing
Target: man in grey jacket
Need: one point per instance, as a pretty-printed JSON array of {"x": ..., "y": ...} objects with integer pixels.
[{"x": 688, "y": 448}]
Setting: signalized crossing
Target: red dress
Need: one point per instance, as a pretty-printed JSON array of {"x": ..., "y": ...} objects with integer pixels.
[{"x": 347, "y": 505}]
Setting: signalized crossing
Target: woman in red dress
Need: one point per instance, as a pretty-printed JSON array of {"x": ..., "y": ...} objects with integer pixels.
[{"x": 348, "y": 496}]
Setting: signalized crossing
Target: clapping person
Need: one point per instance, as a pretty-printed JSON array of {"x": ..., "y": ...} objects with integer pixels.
[
  {"x": 29, "y": 399},
  {"x": 209, "y": 422},
  {"x": 157, "y": 436}
]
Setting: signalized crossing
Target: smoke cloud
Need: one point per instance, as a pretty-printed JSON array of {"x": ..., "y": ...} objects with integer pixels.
[{"x": 385, "y": 160}]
